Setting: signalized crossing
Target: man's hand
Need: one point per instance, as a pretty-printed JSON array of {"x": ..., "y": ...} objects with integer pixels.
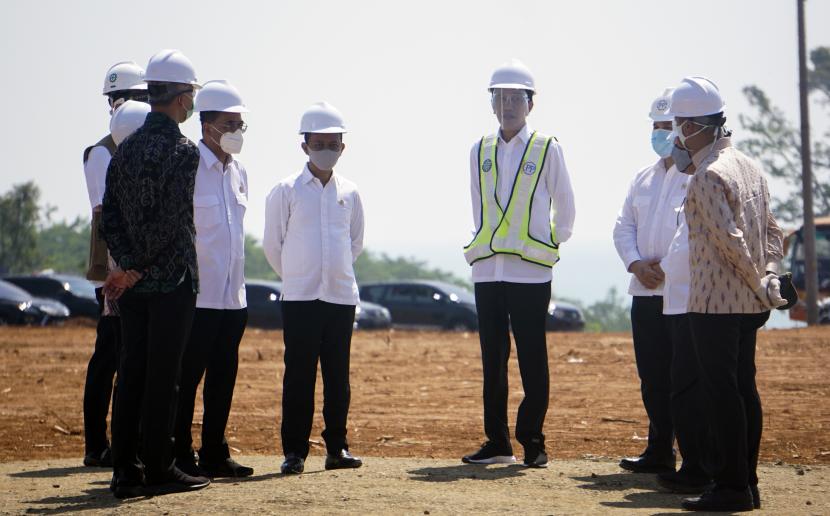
[
  {"x": 648, "y": 273},
  {"x": 770, "y": 292},
  {"x": 118, "y": 281}
]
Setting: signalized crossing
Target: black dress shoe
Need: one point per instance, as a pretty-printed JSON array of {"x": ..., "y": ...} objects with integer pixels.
[
  {"x": 123, "y": 486},
  {"x": 188, "y": 466},
  {"x": 102, "y": 459},
  {"x": 225, "y": 468},
  {"x": 177, "y": 482},
  {"x": 648, "y": 464},
  {"x": 684, "y": 483},
  {"x": 756, "y": 496},
  {"x": 342, "y": 460},
  {"x": 721, "y": 499},
  {"x": 536, "y": 459},
  {"x": 293, "y": 465}
]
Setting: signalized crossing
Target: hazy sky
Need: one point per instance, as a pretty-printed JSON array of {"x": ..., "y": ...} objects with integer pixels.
[{"x": 411, "y": 79}]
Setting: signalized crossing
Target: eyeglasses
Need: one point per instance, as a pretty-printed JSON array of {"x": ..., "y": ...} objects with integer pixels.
[
  {"x": 509, "y": 98},
  {"x": 318, "y": 146},
  {"x": 140, "y": 96},
  {"x": 232, "y": 126}
]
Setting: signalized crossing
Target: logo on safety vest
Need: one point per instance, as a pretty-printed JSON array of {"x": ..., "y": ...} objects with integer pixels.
[
  {"x": 113, "y": 77},
  {"x": 662, "y": 105},
  {"x": 530, "y": 168},
  {"x": 487, "y": 165}
]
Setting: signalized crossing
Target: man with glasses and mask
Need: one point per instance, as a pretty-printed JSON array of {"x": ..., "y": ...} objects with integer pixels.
[
  {"x": 517, "y": 176},
  {"x": 313, "y": 235},
  {"x": 148, "y": 226},
  {"x": 734, "y": 249},
  {"x": 219, "y": 202},
  {"x": 124, "y": 81}
]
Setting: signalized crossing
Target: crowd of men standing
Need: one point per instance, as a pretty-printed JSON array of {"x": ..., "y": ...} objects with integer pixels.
[{"x": 695, "y": 231}]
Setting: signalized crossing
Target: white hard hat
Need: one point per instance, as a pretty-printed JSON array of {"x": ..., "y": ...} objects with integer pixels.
[
  {"x": 171, "y": 66},
  {"x": 513, "y": 75},
  {"x": 661, "y": 107},
  {"x": 696, "y": 96},
  {"x": 322, "y": 117},
  {"x": 125, "y": 75},
  {"x": 128, "y": 117},
  {"x": 219, "y": 96}
]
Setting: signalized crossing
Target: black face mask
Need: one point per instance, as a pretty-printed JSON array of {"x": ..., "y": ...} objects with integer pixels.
[{"x": 682, "y": 158}]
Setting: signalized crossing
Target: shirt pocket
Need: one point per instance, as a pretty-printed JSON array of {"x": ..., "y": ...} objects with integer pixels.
[
  {"x": 342, "y": 213},
  {"x": 207, "y": 211},
  {"x": 241, "y": 204},
  {"x": 640, "y": 205}
]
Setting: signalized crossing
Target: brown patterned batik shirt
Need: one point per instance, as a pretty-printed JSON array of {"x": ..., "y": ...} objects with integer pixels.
[{"x": 733, "y": 237}]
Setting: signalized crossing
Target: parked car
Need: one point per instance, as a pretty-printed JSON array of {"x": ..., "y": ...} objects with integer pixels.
[
  {"x": 424, "y": 304},
  {"x": 77, "y": 293},
  {"x": 435, "y": 304},
  {"x": 264, "y": 308},
  {"x": 18, "y": 307},
  {"x": 564, "y": 317}
]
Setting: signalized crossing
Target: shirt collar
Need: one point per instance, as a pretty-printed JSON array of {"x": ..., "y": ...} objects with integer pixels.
[
  {"x": 207, "y": 155},
  {"x": 159, "y": 120},
  {"x": 716, "y": 146},
  {"x": 306, "y": 176},
  {"x": 523, "y": 135}
]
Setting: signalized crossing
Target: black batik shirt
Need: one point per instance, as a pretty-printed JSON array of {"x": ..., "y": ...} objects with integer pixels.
[{"x": 147, "y": 212}]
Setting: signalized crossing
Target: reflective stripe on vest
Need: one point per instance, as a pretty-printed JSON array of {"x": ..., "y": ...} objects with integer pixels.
[{"x": 508, "y": 231}]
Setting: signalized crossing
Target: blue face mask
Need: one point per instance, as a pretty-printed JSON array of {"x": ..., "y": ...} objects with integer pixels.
[
  {"x": 662, "y": 141},
  {"x": 682, "y": 158}
]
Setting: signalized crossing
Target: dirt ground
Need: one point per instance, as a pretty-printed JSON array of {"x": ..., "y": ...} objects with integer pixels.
[{"x": 418, "y": 395}]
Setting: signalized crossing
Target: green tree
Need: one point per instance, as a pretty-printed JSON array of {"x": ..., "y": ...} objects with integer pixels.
[
  {"x": 371, "y": 266},
  {"x": 19, "y": 217},
  {"x": 776, "y": 142},
  {"x": 606, "y": 315},
  {"x": 64, "y": 246},
  {"x": 256, "y": 265}
]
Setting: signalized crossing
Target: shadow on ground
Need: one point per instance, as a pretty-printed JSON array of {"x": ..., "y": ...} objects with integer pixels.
[{"x": 466, "y": 471}]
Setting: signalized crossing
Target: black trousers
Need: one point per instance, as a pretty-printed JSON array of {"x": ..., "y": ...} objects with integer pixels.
[
  {"x": 686, "y": 409},
  {"x": 98, "y": 388},
  {"x": 315, "y": 330},
  {"x": 522, "y": 307},
  {"x": 213, "y": 352},
  {"x": 653, "y": 353},
  {"x": 725, "y": 347},
  {"x": 155, "y": 328}
]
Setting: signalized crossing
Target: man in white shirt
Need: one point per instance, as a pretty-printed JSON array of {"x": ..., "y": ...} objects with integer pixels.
[
  {"x": 220, "y": 199},
  {"x": 313, "y": 235},
  {"x": 517, "y": 176},
  {"x": 124, "y": 81},
  {"x": 644, "y": 229}
]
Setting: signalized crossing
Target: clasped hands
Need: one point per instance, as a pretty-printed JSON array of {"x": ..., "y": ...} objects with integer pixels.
[
  {"x": 118, "y": 281},
  {"x": 648, "y": 272}
]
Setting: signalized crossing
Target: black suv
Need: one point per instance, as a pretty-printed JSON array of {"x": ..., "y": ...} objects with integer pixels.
[
  {"x": 424, "y": 304},
  {"x": 77, "y": 293}
]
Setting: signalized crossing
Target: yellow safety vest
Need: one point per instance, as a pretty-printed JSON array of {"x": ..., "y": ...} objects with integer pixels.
[{"x": 508, "y": 231}]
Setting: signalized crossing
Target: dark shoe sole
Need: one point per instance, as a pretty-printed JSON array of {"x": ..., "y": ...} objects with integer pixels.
[
  {"x": 223, "y": 473},
  {"x": 349, "y": 465},
  {"x": 124, "y": 492},
  {"x": 680, "y": 488},
  {"x": 498, "y": 459},
  {"x": 693, "y": 506},
  {"x": 174, "y": 487},
  {"x": 651, "y": 468}
]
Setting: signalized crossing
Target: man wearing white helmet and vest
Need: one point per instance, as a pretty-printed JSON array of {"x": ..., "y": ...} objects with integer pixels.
[
  {"x": 124, "y": 81},
  {"x": 643, "y": 234},
  {"x": 313, "y": 235},
  {"x": 734, "y": 249},
  {"x": 148, "y": 226},
  {"x": 219, "y": 203},
  {"x": 517, "y": 177}
]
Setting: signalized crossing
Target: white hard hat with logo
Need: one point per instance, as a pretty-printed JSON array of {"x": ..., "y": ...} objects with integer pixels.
[
  {"x": 171, "y": 66},
  {"x": 661, "y": 107},
  {"x": 128, "y": 117},
  {"x": 125, "y": 75},
  {"x": 513, "y": 75},
  {"x": 322, "y": 117},
  {"x": 219, "y": 96},
  {"x": 696, "y": 96}
]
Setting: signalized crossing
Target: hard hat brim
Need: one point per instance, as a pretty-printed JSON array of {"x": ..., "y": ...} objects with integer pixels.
[
  {"x": 662, "y": 118},
  {"x": 231, "y": 109},
  {"x": 196, "y": 85},
  {"x": 134, "y": 87},
  {"x": 326, "y": 130},
  {"x": 511, "y": 86}
]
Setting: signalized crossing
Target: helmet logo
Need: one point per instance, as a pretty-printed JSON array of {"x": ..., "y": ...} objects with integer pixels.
[
  {"x": 487, "y": 165},
  {"x": 662, "y": 105},
  {"x": 113, "y": 77},
  {"x": 529, "y": 168}
]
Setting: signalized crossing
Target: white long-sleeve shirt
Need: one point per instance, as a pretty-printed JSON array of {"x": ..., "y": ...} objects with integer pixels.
[
  {"x": 649, "y": 218},
  {"x": 220, "y": 199},
  {"x": 676, "y": 267},
  {"x": 313, "y": 235},
  {"x": 553, "y": 191},
  {"x": 95, "y": 171}
]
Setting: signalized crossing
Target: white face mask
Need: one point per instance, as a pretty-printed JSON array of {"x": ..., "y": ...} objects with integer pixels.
[
  {"x": 324, "y": 159},
  {"x": 231, "y": 142}
]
